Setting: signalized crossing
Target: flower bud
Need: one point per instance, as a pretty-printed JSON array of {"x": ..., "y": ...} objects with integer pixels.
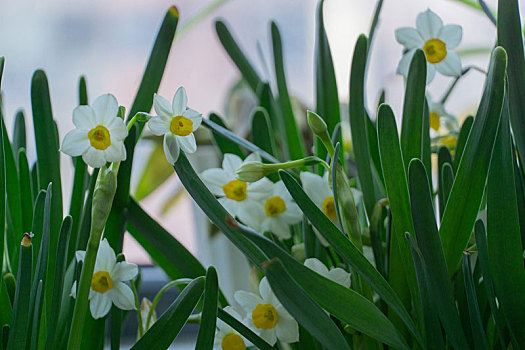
[
  {"x": 105, "y": 189},
  {"x": 251, "y": 171},
  {"x": 298, "y": 252},
  {"x": 145, "y": 307},
  {"x": 316, "y": 123}
]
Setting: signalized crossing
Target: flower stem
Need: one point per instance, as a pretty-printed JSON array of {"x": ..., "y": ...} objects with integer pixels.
[{"x": 160, "y": 293}]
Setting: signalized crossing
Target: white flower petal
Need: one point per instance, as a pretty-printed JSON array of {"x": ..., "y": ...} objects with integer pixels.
[
  {"x": 106, "y": 258},
  {"x": 266, "y": 292},
  {"x": 106, "y": 107},
  {"x": 214, "y": 179},
  {"x": 124, "y": 271},
  {"x": 159, "y": 126},
  {"x": 122, "y": 296},
  {"x": 293, "y": 214},
  {"x": 450, "y": 66},
  {"x": 404, "y": 63},
  {"x": 231, "y": 162},
  {"x": 75, "y": 142},
  {"x": 451, "y": 35},
  {"x": 287, "y": 328},
  {"x": 409, "y": 38},
  {"x": 162, "y": 107},
  {"x": 117, "y": 129},
  {"x": 73, "y": 292},
  {"x": 180, "y": 101},
  {"x": 252, "y": 157},
  {"x": 248, "y": 301},
  {"x": 194, "y": 116},
  {"x": 250, "y": 213},
  {"x": 340, "y": 276},
  {"x": 431, "y": 72},
  {"x": 94, "y": 157},
  {"x": 268, "y": 335},
  {"x": 280, "y": 228},
  {"x": 231, "y": 206},
  {"x": 84, "y": 117},
  {"x": 171, "y": 148},
  {"x": 315, "y": 187},
  {"x": 317, "y": 266},
  {"x": 259, "y": 190},
  {"x": 428, "y": 24},
  {"x": 116, "y": 152},
  {"x": 100, "y": 304},
  {"x": 187, "y": 143}
]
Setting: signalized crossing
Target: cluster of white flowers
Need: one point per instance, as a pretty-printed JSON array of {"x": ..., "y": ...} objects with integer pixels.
[{"x": 264, "y": 314}]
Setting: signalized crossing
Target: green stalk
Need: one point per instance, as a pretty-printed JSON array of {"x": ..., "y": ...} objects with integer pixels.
[{"x": 102, "y": 202}]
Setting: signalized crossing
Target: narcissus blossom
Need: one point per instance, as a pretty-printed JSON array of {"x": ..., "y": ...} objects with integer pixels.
[
  {"x": 436, "y": 40},
  {"x": 266, "y": 316},
  {"x": 227, "y": 338},
  {"x": 335, "y": 274},
  {"x": 99, "y": 134},
  {"x": 177, "y": 123},
  {"x": 107, "y": 283},
  {"x": 241, "y": 199}
]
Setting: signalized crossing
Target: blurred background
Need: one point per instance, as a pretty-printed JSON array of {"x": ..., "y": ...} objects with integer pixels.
[{"x": 109, "y": 42}]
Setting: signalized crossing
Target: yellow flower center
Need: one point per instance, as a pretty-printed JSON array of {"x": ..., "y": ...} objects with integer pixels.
[
  {"x": 236, "y": 190},
  {"x": 264, "y": 316},
  {"x": 233, "y": 341},
  {"x": 99, "y": 137},
  {"x": 329, "y": 208},
  {"x": 449, "y": 141},
  {"x": 274, "y": 206},
  {"x": 101, "y": 282},
  {"x": 435, "y": 50},
  {"x": 434, "y": 120},
  {"x": 181, "y": 126}
]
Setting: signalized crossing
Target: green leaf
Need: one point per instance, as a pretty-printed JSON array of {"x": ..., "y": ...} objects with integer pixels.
[
  {"x": 47, "y": 144},
  {"x": 412, "y": 123},
  {"x": 35, "y": 322},
  {"x": 303, "y": 309},
  {"x": 217, "y": 129},
  {"x": 21, "y": 316},
  {"x": 164, "y": 249},
  {"x": 26, "y": 197},
  {"x": 19, "y": 132},
  {"x": 327, "y": 96},
  {"x": 209, "y": 311},
  {"x": 401, "y": 270},
  {"x": 261, "y": 131},
  {"x": 214, "y": 211},
  {"x": 157, "y": 62},
  {"x": 434, "y": 336},
  {"x": 237, "y": 56},
  {"x": 444, "y": 156},
  {"x": 155, "y": 173},
  {"x": 469, "y": 184},
  {"x": 60, "y": 271},
  {"x": 425, "y": 227},
  {"x": 343, "y": 303},
  {"x": 503, "y": 232},
  {"x": 510, "y": 37},
  {"x": 447, "y": 180},
  {"x": 426, "y": 151},
  {"x": 85, "y": 220},
  {"x": 462, "y": 140},
  {"x": 225, "y": 144},
  {"x": 243, "y": 330},
  {"x": 5, "y": 304},
  {"x": 359, "y": 128},
  {"x": 375, "y": 21},
  {"x": 348, "y": 252},
  {"x": 2, "y": 63},
  {"x": 294, "y": 140},
  {"x": 38, "y": 223},
  {"x": 480, "y": 338},
  {"x": 168, "y": 326}
]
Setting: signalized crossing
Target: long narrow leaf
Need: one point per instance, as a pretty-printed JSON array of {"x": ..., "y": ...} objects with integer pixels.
[
  {"x": 469, "y": 184},
  {"x": 462, "y": 140},
  {"x": 209, "y": 311},
  {"x": 225, "y": 144}
]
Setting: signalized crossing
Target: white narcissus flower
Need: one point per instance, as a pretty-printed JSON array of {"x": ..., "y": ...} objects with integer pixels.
[
  {"x": 436, "y": 40},
  {"x": 107, "y": 283},
  {"x": 177, "y": 123},
  {"x": 439, "y": 115},
  {"x": 319, "y": 191},
  {"x": 280, "y": 211},
  {"x": 239, "y": 198},
  {"x": 227, "y": 338},
  {"x": 99, "y": 134},
  {"x": 335, "y": 274},
  {"x": 266, "y": 316}
]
